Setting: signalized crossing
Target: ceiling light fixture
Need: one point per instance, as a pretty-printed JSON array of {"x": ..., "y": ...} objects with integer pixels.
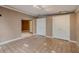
[
  {"x": 63, "y": 12},
  {"x": 41, "y": 7},
  {"x": 37, "y": 6}
]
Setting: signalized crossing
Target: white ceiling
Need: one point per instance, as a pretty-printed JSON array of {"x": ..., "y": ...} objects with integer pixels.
[{"x": 42, "y": 9}]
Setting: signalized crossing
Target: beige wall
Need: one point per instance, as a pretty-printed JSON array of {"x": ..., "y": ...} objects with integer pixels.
[
  {"x": 73, "y": 27},
  {"x": 34, "y": 25},
  {"x": 49, "y": 25},
  {"x": 77, "y": 26},
  {"x": 10, "y": 24}
]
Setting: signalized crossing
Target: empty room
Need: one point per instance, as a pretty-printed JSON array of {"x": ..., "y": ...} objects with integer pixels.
[{"x": 39, "y": 29}]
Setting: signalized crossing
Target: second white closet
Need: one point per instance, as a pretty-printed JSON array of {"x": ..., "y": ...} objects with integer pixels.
[{"x": 61, "y": 27}]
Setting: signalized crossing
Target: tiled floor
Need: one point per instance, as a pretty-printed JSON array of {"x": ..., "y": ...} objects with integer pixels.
[{"x": 39, "y": 44}]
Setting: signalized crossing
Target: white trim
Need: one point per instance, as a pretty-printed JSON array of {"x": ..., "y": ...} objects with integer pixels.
[
  {"x": 67, "y": 40},
  {"x": 33, "y": 34},
  {"x": 61, "y": 39},
  {"x": 5, "y": 42}
]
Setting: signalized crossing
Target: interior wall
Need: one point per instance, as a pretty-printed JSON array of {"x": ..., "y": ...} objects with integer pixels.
[
  {"x": 31, "y": 26},
  {"x": 73, "y": 27},
  {"x": 10, "y": 24},
  {"x": 49, "y": 26},
  {"x": 34, "y": 25},
  {"x": 77, "y": 26},
  {"x": 74, "y": 24}
]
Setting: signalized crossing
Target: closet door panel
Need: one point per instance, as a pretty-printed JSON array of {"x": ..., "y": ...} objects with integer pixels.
[
  {"x": 61, "y": 27},
  {"x": 41, "y": 26}
]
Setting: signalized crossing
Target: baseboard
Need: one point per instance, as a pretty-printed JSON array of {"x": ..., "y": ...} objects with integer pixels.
[
  {"x": 22, "y": 37},
  {"x": 49, "y": 36},
  {"x": 35, "y": 34},
  {"x": 67, "y": 40},
  {"x": 5, "y": 42}
]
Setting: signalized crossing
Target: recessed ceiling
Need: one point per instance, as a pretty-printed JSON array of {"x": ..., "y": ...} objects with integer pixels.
[{"x": 36, "y": 10}]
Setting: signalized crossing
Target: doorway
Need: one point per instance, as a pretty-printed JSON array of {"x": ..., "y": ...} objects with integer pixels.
[{"x": 26, "y": 26}]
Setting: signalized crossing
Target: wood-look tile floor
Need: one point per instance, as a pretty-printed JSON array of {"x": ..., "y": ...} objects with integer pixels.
[{"x": 39, "y": 44}]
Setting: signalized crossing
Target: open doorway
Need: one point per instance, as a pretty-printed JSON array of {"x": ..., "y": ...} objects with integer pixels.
[{"x": 26, "y": 27}]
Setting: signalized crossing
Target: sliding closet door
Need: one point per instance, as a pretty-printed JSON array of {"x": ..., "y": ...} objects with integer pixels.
[
  {"x": 61, "y": 27},
  {"x": 41, "y": 26}
]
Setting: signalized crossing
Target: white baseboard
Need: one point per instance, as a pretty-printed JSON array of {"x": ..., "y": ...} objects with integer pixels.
[
  {"x": 67, "y": 40},
  {"x": 64, "y": 39},
  {"x": 5, "y": 42},
  {"x": 22, "y": 37}
]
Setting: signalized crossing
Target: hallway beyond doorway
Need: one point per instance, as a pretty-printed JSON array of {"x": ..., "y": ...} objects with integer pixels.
[{"x": 26, "y": 26}]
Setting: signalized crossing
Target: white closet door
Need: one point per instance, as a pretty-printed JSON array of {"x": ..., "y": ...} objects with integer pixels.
[
  {"x": 61, "y": 27},
  {"x": 41, "y": 26}
]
